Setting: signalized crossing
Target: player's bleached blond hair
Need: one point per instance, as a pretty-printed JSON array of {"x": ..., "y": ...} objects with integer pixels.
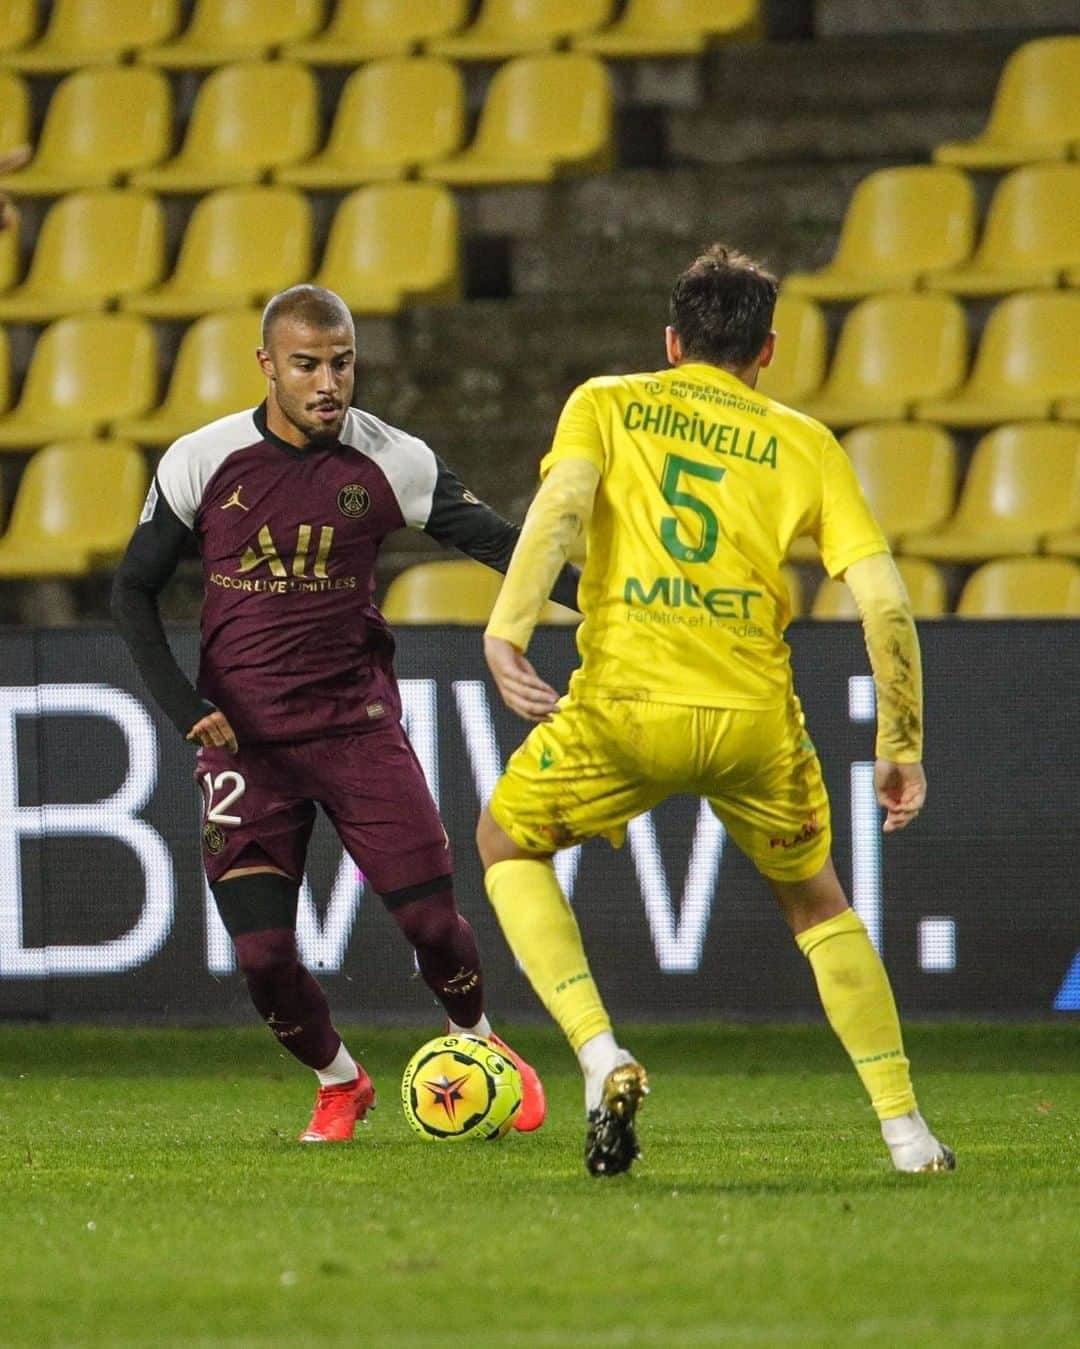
[
  {"x": 314, "y": 306},
  {"x": 722, "y": 307}
]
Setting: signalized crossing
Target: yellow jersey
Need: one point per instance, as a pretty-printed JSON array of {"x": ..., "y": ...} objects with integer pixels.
[{"x": 704, "y": 483}]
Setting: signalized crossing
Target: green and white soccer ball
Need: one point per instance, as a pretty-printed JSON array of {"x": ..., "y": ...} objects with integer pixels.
[{"x": 457, "y": 1087}]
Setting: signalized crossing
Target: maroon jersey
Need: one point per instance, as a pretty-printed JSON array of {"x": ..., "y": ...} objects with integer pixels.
[{"x": 293, "y": 646}]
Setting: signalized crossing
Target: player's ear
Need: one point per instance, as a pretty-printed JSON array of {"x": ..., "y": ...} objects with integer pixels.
[
  {"x": 767, "y": 351},
  {"x": 266, "y": 365},
  {"x": 673, "y": 345}
]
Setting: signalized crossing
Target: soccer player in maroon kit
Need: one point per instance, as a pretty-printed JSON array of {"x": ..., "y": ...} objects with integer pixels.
[{"x": 296, "y": 700}]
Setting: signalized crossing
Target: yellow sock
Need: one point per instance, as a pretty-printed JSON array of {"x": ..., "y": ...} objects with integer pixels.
[
  {"x": 858, "y": 1001},
  {"x": 543, "y": 933}
]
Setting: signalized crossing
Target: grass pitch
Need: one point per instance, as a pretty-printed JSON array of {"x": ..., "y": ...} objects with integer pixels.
[{"x": 151, "y": 1194}]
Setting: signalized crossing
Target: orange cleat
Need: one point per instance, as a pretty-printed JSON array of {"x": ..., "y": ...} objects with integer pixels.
[
  {"x": 533, "y": 1103},
  {"x": 338, "y": 1110}
]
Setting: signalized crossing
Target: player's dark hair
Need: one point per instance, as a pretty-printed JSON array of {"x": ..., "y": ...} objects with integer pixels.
[
  {"x": 311, "y": 305},
  {"x": 722, "y": 307}
]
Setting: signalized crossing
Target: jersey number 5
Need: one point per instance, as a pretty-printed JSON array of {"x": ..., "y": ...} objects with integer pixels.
[{"x": 674, "y": 467}]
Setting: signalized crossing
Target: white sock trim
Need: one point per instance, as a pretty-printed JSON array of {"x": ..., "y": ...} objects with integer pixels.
[
  {"x": 340, "y": 1071},
  {"x": 482, "y": 1029}
]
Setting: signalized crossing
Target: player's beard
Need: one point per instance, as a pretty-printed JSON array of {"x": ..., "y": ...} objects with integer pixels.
[{"x": 314, "y": 431}]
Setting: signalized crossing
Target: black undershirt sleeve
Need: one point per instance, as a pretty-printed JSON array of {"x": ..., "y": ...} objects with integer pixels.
[
  {"x": 461, "y": 520},
  {"x": 151, "y": 558}
]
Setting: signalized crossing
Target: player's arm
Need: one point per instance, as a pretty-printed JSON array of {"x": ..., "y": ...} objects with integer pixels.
[
  {"x": 892, "y": 643},
  {"x": 459, "y": 519},
  {"x": 151, "y": 558},
  {"x": 558, "y": 517},
  {"x": 853, "y": 546}
]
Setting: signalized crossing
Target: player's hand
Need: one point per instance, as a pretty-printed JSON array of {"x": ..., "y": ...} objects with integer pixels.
[
  {"x": 214, "y": 731},
  {"x": 901, "y": 792},
  {"x": 14, "y": 159},
  {"x": 521, "y": 688}
]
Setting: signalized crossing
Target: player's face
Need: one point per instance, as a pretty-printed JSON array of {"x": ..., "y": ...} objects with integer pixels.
[{"x": 311, "y": 373}]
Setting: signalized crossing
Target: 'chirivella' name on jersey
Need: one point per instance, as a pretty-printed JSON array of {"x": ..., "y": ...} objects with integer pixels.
[{"x": 704, "y": 486}]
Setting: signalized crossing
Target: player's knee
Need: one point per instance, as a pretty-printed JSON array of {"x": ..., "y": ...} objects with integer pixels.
[
  {"x": 266, "y": 956},
  {"x": 431, "y": 922}
]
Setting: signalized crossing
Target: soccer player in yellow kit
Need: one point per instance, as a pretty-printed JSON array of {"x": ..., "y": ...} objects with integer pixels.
[{"x": 690, "y": 488}]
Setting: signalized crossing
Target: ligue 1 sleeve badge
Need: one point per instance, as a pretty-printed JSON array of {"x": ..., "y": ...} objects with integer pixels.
[{"x": 354, "y": 501}]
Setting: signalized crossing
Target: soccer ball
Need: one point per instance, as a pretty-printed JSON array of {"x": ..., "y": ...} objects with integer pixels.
[{"x": 458, "y": 1086}]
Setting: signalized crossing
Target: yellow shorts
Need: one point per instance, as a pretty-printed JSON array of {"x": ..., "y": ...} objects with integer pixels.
[{"x": 597, "y": 764}]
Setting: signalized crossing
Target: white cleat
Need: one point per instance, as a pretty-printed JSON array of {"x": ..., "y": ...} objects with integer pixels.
[{"x": 913, "y": 1147}]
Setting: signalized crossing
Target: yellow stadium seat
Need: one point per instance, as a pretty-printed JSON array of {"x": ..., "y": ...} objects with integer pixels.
[
  {"x": 673, "y": 27},
  {"x": 18, "y": 19},
  {"x": 102, "y": 122},
  {"x": 235, "y": 30},
  {"x": 1068, "y": 409},
  {"x": 215, "y": 373},
  {"x": 391, "y": 242},
  {"x": 248, "y": 118},
  {"x": 893, "y": 349},
  {"x": 363, "y": 30},
  {"x": 901, "y": 222},
  {"x": 242, "y": 245},
  {"x": 506, "y": 28},
  {"x": 543, "y": 114},
  {"x": 925, "y": 586},
  {"x": 85, "y": 371},
  {"x": 1036, "y": 112},
  {"x": 461, "y": 591},
  {"x": 393, "y": 115},
  {"x": 1022, "y": 587},
  {"x": 9, "y": 255},
  {"x": 1032, "y": 234},
  {"x": 798, "y": 366},
  {"x": 93, "y": 247},
  {"x": 82, "y": 32},
  {"x": 76, "y": 506},
  {"x": 1026, "y": 361},
  {"x": 1023, "y": 482},
  {"x": 908, "y": 475},
  {"x": 1065, "y": 544},
  {"x": 5, "y": 372},
  {"x": 14, "y": 111}
]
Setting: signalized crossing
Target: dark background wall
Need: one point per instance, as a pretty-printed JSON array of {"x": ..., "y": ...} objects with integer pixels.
[{"x": 103, "y": 910}]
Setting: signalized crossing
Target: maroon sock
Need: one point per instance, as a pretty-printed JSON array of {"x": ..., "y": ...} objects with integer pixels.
[
  {"x": 287, "y": 996},
  {"x": 446, "y": 954}
]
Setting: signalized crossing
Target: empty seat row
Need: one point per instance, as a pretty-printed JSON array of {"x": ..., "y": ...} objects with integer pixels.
[
  {"x": 387, "y": 243},
  {"x": 1021, "y": 493},
  {"x": 254, "y": 119},
  {"x": 915, "y": 227},
  {"x": 80, "y": 32},
  {"x": 906, "y": 355},
  {"x": 1013, "y": 587},
  {"x": 464, "y": 592}
]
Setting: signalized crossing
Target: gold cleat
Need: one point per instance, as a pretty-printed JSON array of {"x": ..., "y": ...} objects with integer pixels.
[{"x": 611, "y": 1144}]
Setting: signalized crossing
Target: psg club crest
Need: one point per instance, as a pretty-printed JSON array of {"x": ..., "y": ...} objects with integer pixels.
[
  {"x": 213, "y": 838},
  {"x": 354, "y": 501}
]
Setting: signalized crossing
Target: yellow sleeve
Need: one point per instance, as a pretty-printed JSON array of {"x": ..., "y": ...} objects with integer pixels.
[
  {"x": 893, "y": 646},
  {"x": 847, "y": 530},
  {"x": 559, "y": 514},
  {"x": 578, "y": 434}
]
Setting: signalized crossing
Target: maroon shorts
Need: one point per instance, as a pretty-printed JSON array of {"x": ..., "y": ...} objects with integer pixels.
[{"x": 259, "y": 807}]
